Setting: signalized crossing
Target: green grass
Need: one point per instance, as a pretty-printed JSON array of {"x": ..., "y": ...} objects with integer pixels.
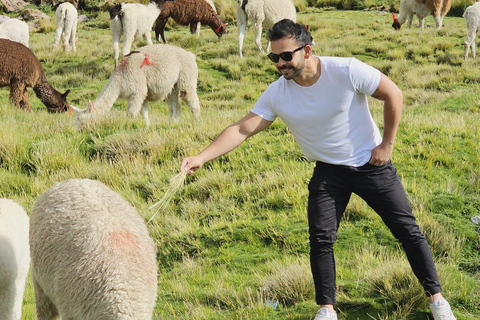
[{"x": 236, "y": 234}]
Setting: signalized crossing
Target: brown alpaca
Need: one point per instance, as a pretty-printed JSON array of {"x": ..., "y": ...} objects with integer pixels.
[
  {"x": 19, "y": 69},
  {"x": 189, "y": 12}
]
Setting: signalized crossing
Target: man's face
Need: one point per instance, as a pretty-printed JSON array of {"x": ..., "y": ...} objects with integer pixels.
[{"x": 289, "y": 69}]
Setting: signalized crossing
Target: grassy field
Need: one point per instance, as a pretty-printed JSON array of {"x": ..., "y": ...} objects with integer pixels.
[{"x": 234, "y": 239}]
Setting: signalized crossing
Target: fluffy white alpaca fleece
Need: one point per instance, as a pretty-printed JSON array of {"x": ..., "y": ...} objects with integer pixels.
[
  {"x": 14, "y": 258},
  {"x": 92, "y": 256},
  {"x": 67, "y": 16},
  {"x": 133, "y": 21},
  {"x": 15, "y": 30},
  {"x": 422, "y": 8},
  {"x": 472, "y": 14},
  {"x": 262, "y": 13},
  {"x": 150, "y": 74}
]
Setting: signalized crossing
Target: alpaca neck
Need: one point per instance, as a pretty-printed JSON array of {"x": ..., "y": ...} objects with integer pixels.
[
  {"x": 46, "y": 93},
  {"x": 402, "y": 17},
  {"x": 108, "y": 95}
]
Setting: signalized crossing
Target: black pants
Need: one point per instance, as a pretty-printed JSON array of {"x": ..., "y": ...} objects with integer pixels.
[{"x": 329, "y": 192}]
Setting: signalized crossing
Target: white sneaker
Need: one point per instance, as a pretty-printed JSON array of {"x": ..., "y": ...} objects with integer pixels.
[
  {"x": 441, "y": 310},
  {"x": 323, "y": 314}
]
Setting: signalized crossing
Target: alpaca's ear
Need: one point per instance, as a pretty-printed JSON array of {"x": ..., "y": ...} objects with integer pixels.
[
  {"x": 64, "y": 96},
  {"x": 90, "y": 107}
]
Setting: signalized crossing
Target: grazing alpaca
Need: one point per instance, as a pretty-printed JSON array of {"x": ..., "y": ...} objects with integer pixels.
[
  {"x": 189, "y": 12},
  {"x": 14, "y": 258},
  {"x": 422, "y": 8},
  {"x": 152, "y": 73},
  {"x": 262, "y": 13},
  {"x": 15, "y": 30},
  {"x": 66, "y": 15},
  {"x": 472, "y": 15},
  {"x": 92, "y": 256},
  {"x": 133, "y": 20},
  {"x": 19, "y": 69}
]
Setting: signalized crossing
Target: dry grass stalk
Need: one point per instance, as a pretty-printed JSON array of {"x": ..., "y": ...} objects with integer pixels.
[{"x": 175, "y": 183}]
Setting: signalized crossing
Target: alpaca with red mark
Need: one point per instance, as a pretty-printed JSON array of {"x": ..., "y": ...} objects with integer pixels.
[{"x": 92, "y": 255}]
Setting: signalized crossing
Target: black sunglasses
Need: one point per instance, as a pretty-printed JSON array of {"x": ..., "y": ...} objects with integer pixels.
[{"x": 286, "y": 56}]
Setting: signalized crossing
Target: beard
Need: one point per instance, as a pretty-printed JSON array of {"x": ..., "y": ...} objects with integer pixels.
[{"x": 290, "y": 72}]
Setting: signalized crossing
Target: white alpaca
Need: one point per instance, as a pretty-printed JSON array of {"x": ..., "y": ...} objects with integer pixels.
[
  {"x": 14, "y": 258},
  {"x": 422, "y": 8},
  {"x": 262, "y": 13},
  {"x": 67, "y": 16},
  {"x": 152, "y": 73},
  {"x": 15, "y": 30},
  {"x": 472, "y": 14},
  {"x": 92, "y": 256},
  {"x": 133, "y": 20},
  {"x": 210, "y": 2}
]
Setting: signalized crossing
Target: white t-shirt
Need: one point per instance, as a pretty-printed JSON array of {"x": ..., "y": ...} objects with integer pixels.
[{"x": 330, "y": 120}]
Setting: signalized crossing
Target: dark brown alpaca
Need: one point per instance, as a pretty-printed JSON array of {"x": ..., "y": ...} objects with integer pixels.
[
  {"x": 189, "y": 12},
  {"x": 19, "y": 69}
]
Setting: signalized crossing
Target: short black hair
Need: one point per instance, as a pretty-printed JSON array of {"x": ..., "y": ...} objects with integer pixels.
[{"x": 286, "y": 28}]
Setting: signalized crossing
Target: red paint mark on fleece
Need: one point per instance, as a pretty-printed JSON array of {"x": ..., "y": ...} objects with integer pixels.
[
  {"x": 123, "y": 240},
  {"x": 146, "y": 61}
]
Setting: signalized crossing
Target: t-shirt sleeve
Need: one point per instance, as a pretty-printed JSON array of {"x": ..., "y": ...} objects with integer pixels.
[
  {"x": 365, "y": 78},
  {"x": 263, "y": 107}
]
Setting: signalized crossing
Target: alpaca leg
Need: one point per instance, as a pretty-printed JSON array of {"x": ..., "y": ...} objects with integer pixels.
[
  {"x": 58, "y": 34},
  {"x": 19, "y": 95},
  {"x": 160, "y": 29},
  {"x": 116, "y": 29},
  {"x": 173, "y": 102},
  {"x": 73, "y": 38},
  {"x": 144, "y": 112},
  {"x": 474, "y": 49},
  {"x": 438, "y": 21},
  {"x": 198, "y": 28},
  {"x": 409, "y": 20},
  {"x": 242, "y": 21},
  {"x": 193, "y": 27},
  {"x": 191, "y": 99},
  {"x": 469, "y": 43},
  {"x": 46, "y": 310},
  {"x": 135, "y": 103},
  {"x": 148, "y": 37},
  {"x": 66, "y": 39},
  {"x": 421, "y": 22},
  {"x": 128, "y": 38},
  {"x": 258, "y": 35}
]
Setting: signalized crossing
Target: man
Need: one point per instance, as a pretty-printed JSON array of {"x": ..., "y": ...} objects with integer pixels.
[{"x": 323, "y": 100}]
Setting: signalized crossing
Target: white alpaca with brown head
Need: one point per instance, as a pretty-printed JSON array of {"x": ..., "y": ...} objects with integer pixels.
[{"x": 422, "y": 8}]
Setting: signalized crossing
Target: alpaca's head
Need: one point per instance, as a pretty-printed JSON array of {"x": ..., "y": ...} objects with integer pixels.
[
  {"x": 221, "y": 29},
  {"x": 85, "y": 117},
  {"x": 57, "y": 103},
  {"x": 396, "y": 25}
]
